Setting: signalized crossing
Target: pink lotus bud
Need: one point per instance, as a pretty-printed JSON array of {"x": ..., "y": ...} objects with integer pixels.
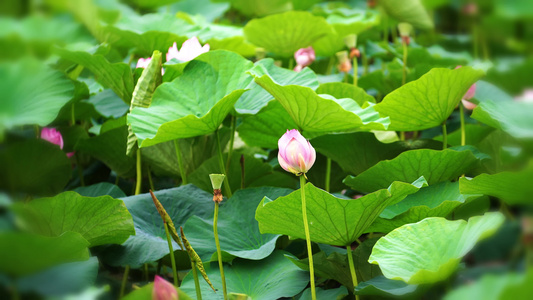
[
  {"x": 527, "y": 96},
  {"x": 296, "y": 155},
  {"x": 305, "y": 56},
  {"x": 190, "y": 49},
  {"x": 163, "y": 290},
  {"x": 53, "y": 136},
  {"x": 468, "y": 105},
  {"x": 344, "y": 61},
  {"x": 298, "y": 68},
  {"x": 143, "y": 62}
]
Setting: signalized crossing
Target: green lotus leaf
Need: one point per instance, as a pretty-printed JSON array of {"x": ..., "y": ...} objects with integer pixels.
[
  {"x": 436, "y": 166},
  {"x": 100, "y": 189},
  {"x": 437, "y": 200},
  {"x": 150, "y": 242},
  {"x": 430, "y": 251},
  {"x": 354, "y": 24},
  {"x": 25, "y": 253},
  {"x": 256, "y": 98},
  {"x": 287, "y": 32},
  {"x": 382, "y": 286},
  {"x": 511, "y": 187},
  {"x": 320, "y": 113},
  {"x": 34, "y": 166},
  {"x": 358, "y": 151},
  {"x": 116, "y": 76},
  {"x": 196, "y": 102},
  {"x": 428, "y": 101},
  {"x": 411, "y": 11},
  {"x": 324, "y": 294},
  {"x": 346, "y": 90},
  {"x": 35, "y": 99},
  {"x": 511, "y": 117},
  {"x": 239, "y": 237},
  {"x": 332, "y": 220},
  {"x": 253, "y": 278},
  {"x": 260, "y": 8},
  {"x": 100, "y": 220}
]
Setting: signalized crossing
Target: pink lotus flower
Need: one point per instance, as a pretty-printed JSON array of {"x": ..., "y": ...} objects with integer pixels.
[
  {"x": 469, "y": 95},
  {"x": 190, "y": 49},
  {"x": 143, "y": 62},
  {"x": 164, "y": 290},
  {"x": 304, "y": 57},
  {"x": 296, "y": 155},
  {"x": 527, "y": 96},
  {"x": 53, "y": 136}
]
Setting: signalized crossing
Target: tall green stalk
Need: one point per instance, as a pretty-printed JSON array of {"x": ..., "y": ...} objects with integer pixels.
[
  {"x": 139, "y": 173},
  {"x": 172, "y": 259},
  {"x": 404, "y": 70},
  {"x": 444, "y": 136},
  {"x": 219, "y": 252},
  {"x": 222, "y": 166},
  {"x": 180, "y": 163},
  {"x": 355, "y": 70},
  {"x": 231, "y": 140},
  {"x": 352, "y": 268},
  {"x": 463, "y": 129},
  {"x": 196, "y": 281},
  {"x": 308, "y": 239},
  {"x": 124, "y": 281},
  {"x": 328, "y": 174}
]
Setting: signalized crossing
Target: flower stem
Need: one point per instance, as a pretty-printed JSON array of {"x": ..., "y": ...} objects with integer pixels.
[
  {"x": 355, "y": 70},
  {"x": 404, "y": 73},
  {"x": 231, "y": 140},
  {"x": 124, "y": 281},
  {"x": 180, "y": 163},
  {"x": 219, "y": 253},
  {"x": 172, "y": 259},
  {"x": 150, "y": 181},
  {"x": 463, "y": 130},
  {"x": 308, "y": 239},
  {"x": 328, "y": 174},
  {"x": 402, "y": 136},
  {"x": 139, "y": 173},
  {"x": 444, "y": 136},
  {"x": 222, "y": 167},
  {"x": 196, "y": 282},
  {"x": 352, "y": 268}
]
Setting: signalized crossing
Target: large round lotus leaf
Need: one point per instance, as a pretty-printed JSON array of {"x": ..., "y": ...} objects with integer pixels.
[
  {"x": 410, "y": 11},
  {"x": 100, "y": 220},
  {"x": 285, "y": 33},
  {"x": 34, "y": 166},
  {"x": 511, "y": 187},
  {"x": 274, "y": 277},
  {"x": 239, "y": 237},
  {"x": 150, "y": 242},
  {"x": 196, "y": 102},
  {"x": 320, "y": 113},
  {"x": 512, "y": 117},
  {"x": 437, "y": 200},
  {"x": 332, "y": 220},
  {"x": 256, "y": 97},
  {"x": 430, "y": 250},
  {"x": 24, "y": 253},
  {"x": 436, "y": 166},
  {"x": 32, "y": 93},
  {"x": 428, "y": 101}
]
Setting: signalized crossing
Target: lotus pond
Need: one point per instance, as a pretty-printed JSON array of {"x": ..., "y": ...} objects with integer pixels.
[{"x": 266, "y": 149}]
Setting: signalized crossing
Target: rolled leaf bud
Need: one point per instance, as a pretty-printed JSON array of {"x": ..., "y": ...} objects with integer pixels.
[
  {"x": 296, "y": 155},
  {"x": 164, "y": 290},
  {"x": 216, "y": 182},
  {"x": 344, "y": 62},
  {"x": 350, "y": 41}
]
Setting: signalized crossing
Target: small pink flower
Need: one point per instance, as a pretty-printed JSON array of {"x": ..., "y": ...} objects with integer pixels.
[
  {"x": 304, "y": 57},
  {"x": 143, "y": 62},
  {"x": 53, "y": 136},
  {"x": 296, "y": 155},
  {"x": 190, "y": 49},
  {"x": 468, "y": 105},
  {"x": 163, "y": 290}
]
